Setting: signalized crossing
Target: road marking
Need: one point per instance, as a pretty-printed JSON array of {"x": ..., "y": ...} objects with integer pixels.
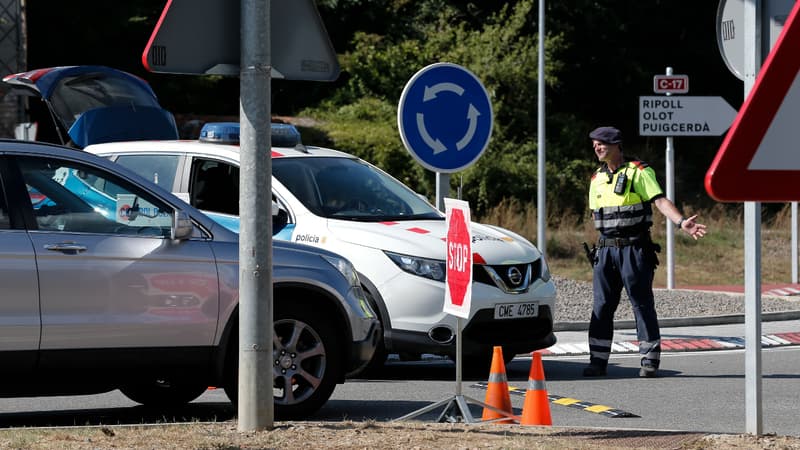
[
  {"x": 678, "y": 344},
  {"x": 566, "y": 401}
]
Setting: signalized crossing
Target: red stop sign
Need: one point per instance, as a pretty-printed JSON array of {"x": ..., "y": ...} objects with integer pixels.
[{"x": 459, "y": 260}]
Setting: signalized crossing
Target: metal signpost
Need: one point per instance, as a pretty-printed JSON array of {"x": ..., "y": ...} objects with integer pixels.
[
  {"x": 683, "y": 115},
  {"x": 208, "y": 37},
  {"x": 541, "y": 189},
  {"x": 445, "y": 120},
  {"x": 730, "y": 40},
  {"x": 458, "y": 301},
  {"x": 670, "y": 84},
  {"x": 757, "y": 162}
]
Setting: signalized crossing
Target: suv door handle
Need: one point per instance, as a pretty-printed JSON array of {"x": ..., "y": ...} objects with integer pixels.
[{"x": 66, "y": 247}]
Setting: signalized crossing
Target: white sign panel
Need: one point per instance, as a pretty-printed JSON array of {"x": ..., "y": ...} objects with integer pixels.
[{"x": 684, "y": 116}]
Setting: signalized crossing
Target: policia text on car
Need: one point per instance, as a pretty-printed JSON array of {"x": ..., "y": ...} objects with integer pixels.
[{"x": 621, "y": 195}]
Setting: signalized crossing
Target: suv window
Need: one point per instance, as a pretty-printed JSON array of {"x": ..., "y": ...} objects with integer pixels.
[
  {"x": 67, "y": 196},
  {"x": 160, "y": 169}
]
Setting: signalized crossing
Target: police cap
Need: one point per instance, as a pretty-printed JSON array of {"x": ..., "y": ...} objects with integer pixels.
[{"x": 609, "y": 135}]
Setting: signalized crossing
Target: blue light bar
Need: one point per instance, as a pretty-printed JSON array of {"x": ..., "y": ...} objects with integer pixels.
[
  {"x": 283, "y": 134},
  {"x": 220, "y": 132}
]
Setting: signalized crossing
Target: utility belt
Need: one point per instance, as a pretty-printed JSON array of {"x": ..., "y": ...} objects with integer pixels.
[{"x": 624, "y": 241}]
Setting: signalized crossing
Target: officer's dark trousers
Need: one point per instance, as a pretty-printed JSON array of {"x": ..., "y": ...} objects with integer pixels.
[{"x": 631, "y": 267}]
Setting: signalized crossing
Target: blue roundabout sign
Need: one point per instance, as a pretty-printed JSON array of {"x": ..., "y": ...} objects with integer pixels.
[{"x": 445, "y": 117}]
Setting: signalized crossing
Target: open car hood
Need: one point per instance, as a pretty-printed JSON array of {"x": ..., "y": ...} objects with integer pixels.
[{"x": 96, "y": 104}]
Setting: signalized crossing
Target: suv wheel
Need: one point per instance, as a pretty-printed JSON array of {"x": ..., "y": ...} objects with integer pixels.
[
  {"x": 163, "y": 393},
  {"x": 306, "y": 361}
]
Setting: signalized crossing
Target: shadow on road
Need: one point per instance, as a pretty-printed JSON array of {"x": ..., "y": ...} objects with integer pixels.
[{"x": 135, "y": 415}]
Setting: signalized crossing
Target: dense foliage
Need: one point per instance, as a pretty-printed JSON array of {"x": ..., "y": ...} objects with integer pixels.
[{"x": 600, "y": 56}]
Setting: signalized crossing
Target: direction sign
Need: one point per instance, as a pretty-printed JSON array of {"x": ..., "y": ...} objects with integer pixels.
[
  {"x": 445, "y": 117},
  {"x": 684, "y": 116},
  {"x": 458, "y": 289},
  {"x": 671, "y": 84},
  {"x": 759, "y": 158},
  {"x": 204, "y": 36}
]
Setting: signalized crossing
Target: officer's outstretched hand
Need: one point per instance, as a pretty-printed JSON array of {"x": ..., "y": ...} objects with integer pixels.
[{"x": 692, "y": 228}]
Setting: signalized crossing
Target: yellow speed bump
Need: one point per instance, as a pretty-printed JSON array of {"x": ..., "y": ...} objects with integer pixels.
[{"x": 571, "y": 402}]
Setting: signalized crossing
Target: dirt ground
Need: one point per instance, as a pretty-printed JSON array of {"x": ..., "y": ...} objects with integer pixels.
[{"x": 373, "y": 435}]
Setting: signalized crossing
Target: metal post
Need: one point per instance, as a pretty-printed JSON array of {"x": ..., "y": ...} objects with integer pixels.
[
  {"x": 541, "y": 210},
  {"x": 794, "y": 242},
  {"x": 670, "y": 163},
  {"x": 459, "y": 355},
  {"x": 752, "y": 242},
  {"x": 256, "y": 409},
  {"x": 442, "y": 189}
]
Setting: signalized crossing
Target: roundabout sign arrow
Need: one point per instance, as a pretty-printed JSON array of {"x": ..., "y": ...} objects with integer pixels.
[{"x": 445, "y": 117}]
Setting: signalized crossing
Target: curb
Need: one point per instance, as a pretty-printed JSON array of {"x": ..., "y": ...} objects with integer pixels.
[{"x": 684, "y": 321}]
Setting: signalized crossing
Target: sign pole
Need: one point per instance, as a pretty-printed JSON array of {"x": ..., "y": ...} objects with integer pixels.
[
  {"x": 756, "y": 163},
  {"x": 670, "y": 169},
  {"x": 667, "y": 117},
  {"x": 752, "y": 243},
  {"x": 458, "y": 302},
  {"x": 215, "y": 37},
  {"x": 541, "y": 211},
  {"x": 445, "y": 120},
  {"x": 794, "y": 242},
  {"x": 442, "y": 189},
  {"x": 255, "y": 394}
]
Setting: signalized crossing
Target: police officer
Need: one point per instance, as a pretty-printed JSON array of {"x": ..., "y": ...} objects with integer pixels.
[{"x": 620, "y": 196}]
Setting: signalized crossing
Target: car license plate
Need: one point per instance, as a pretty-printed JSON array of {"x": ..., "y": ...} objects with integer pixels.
[{"x": 516, "y": 310}]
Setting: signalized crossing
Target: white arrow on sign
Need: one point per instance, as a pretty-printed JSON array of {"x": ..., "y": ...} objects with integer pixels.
[{"x": 684, "y": 116}]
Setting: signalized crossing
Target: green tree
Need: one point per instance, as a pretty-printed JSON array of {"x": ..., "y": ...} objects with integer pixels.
[{"x": 501, "y": 50}]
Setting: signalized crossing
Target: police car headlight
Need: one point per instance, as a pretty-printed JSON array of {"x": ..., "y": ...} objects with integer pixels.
[
  {"x": 423, "y": 267},
  {"x": 345, "y": 268}
]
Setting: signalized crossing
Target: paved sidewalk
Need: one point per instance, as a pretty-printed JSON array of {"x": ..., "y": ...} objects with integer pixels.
[{"x": 684, "y": 338}]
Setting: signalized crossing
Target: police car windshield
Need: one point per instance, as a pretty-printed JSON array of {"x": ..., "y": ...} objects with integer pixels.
[{"x": 350, "y": 189}]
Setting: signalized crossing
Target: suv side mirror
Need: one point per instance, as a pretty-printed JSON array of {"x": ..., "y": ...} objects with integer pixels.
[{"x": 181, "y": 226}]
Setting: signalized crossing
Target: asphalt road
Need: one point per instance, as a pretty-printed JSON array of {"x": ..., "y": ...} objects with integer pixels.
[{"x": 699, "y": 391}]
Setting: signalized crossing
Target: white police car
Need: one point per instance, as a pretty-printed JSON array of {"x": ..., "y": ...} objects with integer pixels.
[{"x": 394, "y": 237}]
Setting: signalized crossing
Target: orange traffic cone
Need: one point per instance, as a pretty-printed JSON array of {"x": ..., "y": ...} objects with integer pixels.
[
  {"x": 497, "y": 395},
  {"x": 536, "y": 410}
]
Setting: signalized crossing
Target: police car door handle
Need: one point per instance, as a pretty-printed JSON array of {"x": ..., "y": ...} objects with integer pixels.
[{"x": 66, "y": 247}]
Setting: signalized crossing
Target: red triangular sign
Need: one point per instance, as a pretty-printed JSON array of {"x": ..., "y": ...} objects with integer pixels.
[{"x": 759, "y": 160}]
